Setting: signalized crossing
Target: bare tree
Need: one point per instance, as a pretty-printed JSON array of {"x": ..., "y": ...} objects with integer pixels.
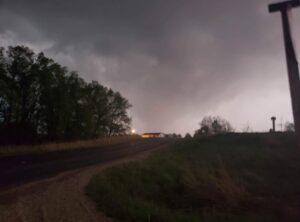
[
  {"x": 289, "y": 127},
  {"x": 247, "y": 128}
]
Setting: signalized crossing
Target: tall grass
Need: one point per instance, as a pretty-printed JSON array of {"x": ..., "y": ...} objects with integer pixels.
[
  {"x": 80, "y": 144},
  {"x": 251, "y": 177}
]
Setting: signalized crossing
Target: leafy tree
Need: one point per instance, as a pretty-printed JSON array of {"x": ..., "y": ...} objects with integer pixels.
[
  {"x": 97, "y": 102},
  {"x": 55, "y": 105},
  {"x": 117, "y": 120},
  {"x": 39, "y": 98},
  {"x": 187, "y": 136},
  {"x": 212, "y": 125},
  {"x": 19, "y": 88}
]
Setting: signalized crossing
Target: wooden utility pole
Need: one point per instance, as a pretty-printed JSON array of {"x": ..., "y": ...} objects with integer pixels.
[{"x": 292, "y": 64}]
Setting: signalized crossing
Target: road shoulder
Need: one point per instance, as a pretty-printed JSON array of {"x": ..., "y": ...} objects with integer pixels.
[{"x": 60, "y": 198}]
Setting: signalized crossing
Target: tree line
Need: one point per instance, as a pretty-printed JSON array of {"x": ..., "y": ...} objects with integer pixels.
[
  {"x": 215, "y": 125},
  {"x": 42, "y": 100}
]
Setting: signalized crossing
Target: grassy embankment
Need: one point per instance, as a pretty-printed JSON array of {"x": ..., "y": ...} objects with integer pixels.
[
  {"x": 80, "y": 144},
  {"x": 239, "y": 177}
]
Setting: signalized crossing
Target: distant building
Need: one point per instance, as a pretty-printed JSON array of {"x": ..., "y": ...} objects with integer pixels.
[
  {"x": 174, "y": 135},
  {"x": 153, "y": 135}
]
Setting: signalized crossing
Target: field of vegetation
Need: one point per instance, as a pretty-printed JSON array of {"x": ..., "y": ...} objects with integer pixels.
[
  {"x": 61, "y": 146},
  {"x": 234, "y": 177}
]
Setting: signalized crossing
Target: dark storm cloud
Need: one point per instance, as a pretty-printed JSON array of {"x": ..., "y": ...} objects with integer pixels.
[{"x": 173, "y": 59}]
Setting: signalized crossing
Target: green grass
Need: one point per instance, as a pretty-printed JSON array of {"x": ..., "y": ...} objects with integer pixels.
[{"x": 237, "y": 177}]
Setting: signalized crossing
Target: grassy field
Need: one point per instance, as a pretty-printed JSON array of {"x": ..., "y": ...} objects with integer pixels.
[
  {"x": 237, "y": 177},
  {"x": 80, "y": 144}
]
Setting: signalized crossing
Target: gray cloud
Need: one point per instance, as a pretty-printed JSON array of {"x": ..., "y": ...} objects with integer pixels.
[{"x": 175, "y": 60}]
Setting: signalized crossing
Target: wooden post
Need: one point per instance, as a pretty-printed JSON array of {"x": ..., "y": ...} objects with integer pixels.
[{"x": 292, "y": 64}]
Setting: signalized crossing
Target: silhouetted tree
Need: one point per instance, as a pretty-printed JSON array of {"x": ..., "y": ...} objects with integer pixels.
[
  {"x": 212, "y": 125},
  {"x": 187, "y": 136},
  {"x": 55, "y": 99},
  {"x": 247, "y": 128},
  {"x": 289, "y": 127},
  {"x": 19, "y": 90},
  {"x": 41, "y": 98},
  {"x": 117, "y": 120},
  {"x": 97, "y": 101}
]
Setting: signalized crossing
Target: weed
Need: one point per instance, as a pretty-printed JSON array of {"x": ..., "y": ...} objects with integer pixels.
[{"x": 236, "y": 177}]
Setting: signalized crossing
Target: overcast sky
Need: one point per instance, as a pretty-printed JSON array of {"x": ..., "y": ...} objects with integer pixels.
[{"x": 176, "y": 61}]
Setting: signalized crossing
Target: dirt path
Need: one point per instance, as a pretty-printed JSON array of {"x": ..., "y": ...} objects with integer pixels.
[{"x": 60, "y": 198}]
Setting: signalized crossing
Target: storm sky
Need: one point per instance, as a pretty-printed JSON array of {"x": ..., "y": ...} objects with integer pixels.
[{"x": 176, "y": 61}]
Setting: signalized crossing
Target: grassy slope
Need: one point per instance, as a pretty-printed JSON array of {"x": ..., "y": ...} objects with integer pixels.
[{"x": 239, "y": 177}]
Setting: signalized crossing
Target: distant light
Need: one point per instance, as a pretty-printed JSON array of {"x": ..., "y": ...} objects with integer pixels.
[{"x": 133, "y": 131}]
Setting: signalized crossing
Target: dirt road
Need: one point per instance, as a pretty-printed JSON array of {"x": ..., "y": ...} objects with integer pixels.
[{"x": 61, "y": 197}]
